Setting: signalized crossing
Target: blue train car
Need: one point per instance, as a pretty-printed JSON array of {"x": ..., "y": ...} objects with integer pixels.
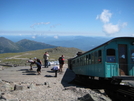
[{"x": 111, "y": 59}]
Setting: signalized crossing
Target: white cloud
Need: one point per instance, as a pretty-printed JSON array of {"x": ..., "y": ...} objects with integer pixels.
[
  {"x": 39, "y": 23},
  {"x": 104, "y": 16},
  {"x": 124, "y": 24},
  {"x": 110, "y": 28},
  {"x": 33, "y": 37},
  {"x": 132, "y": 35},
  {"x": 56, "y": 37},
  {"x": 53, "y": 26}
]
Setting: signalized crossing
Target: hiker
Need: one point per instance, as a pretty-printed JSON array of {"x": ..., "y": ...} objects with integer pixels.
[
  {"x": 31, "y": 63},
  {"x": 39, "y": 64},
  {"x": 45, "y": 56},
  {"x": 61, "y": 63},
  {"x": 55, "y": 69}
]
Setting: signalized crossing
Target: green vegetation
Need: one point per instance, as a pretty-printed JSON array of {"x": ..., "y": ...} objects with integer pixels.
[{"x": 22, "y": 57}]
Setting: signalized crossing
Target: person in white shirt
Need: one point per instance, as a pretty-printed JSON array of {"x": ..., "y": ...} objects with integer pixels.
[
  {"x": 31, "y": 63},
  {"x": 55, "y": 68},
  {"x": 45, "y": 56}
]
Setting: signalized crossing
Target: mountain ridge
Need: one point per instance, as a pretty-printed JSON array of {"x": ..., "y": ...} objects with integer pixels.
[
  {"x": 84, "y": 43},
  {"x": 7, "y": 46}
]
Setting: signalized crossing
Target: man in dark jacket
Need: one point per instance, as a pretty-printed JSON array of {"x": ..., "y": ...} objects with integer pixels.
[
  {"x": 39, "y": 64},
  {"x": 61, "y": 62}
]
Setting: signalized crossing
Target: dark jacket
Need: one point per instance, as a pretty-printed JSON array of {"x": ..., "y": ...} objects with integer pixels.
[{"x": 61, "y": 60}]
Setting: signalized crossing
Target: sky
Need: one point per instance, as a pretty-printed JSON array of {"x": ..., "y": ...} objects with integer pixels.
[{"x": 67, "y": 17}]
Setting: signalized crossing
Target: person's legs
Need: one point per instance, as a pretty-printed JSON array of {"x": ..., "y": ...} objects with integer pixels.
[
  {"x": 46, "y": 63},
  {"x": 61, "y": 66},
  {"x": 56, "y": 73},
  {"x": 31, "y": 68},
  {"x": 39, "y": 70}
]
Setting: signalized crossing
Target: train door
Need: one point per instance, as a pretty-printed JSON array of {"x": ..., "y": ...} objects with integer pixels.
[{"x": 122, "y": 51}]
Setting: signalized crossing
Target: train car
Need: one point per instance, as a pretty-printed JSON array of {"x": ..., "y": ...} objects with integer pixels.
[{"x": 113, "y": 59}]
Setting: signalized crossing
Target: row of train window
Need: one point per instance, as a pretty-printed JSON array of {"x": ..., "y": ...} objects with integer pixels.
[{"x": 95, "y": 57}]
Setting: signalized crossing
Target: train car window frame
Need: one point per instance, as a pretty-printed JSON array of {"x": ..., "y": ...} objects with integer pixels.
[
  {"x": 74, "y": 62},
  {"x": 99, "y": 56},
  {"x": 86, "y": 59},
  {"x": 92, "y": 58},
  {"x": 78, "y": 61},
  {"x": 132, "y": 56},
  {"x": 110, "y": 55},
  {"x": 95, "y": 57},
  {"x": 89, "y": 59}
]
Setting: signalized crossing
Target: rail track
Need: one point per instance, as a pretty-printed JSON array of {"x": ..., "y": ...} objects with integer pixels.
[{"x": 115, "y": 92}]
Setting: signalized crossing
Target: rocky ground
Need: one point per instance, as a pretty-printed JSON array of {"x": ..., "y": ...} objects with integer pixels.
[{"x": 21, "y": 84}]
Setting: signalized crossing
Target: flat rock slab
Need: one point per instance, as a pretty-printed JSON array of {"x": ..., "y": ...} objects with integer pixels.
[{"x": 23, "y": 74}]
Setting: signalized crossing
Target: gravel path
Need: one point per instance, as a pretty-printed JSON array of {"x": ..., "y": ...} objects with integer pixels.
[{"x": 20, "y": 84}]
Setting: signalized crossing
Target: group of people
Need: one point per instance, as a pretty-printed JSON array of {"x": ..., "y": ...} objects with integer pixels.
[{"x": 38, "y": 62}]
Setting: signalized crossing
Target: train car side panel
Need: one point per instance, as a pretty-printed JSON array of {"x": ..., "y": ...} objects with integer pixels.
[
  {"x": 111, "y": 69},
  {"x": 131, "y": 59},
  {"x": 131, "y": 70}
]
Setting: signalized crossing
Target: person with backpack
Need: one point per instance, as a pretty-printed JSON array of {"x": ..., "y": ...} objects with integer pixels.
[
  {"x": 61, "y": 63},
  {"x": 39, "y": 64}
]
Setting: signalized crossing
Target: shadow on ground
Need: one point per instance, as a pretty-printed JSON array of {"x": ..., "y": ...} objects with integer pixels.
[
  {"x": 50, "y": 71},
  {"x": 68, "y": 78},
  {"x": 27, "y": 72},
  {"x": 48, "y": 76}
]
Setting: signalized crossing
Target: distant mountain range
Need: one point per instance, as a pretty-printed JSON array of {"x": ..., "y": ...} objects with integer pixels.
[
  {"x": 7, "y": 46},
  {"x": 84, "y": 43},
  {"x": 27, "y": 43}
]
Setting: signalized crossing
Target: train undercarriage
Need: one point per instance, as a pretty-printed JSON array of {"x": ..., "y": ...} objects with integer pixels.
[{"x": 112, "y": 87}]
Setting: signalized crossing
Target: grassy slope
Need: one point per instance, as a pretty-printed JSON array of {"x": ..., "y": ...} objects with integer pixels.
[{"x": 55, "y": 53}]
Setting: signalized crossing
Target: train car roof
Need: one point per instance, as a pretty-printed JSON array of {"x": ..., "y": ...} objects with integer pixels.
[{"x": 108, "y": 43}]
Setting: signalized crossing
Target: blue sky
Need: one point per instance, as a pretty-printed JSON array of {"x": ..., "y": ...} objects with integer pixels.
[{"x": 67, "y": 17}]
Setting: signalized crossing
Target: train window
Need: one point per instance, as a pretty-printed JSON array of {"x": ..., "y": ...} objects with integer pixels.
[
  {"x": 86, "y": 59},
  {"x": 92, "y": 58},
  {"x": 89, "y": 59},
  {"x": 73, "y": 63},
  {"x": 77, "y": 61},
  {"x": 95, "y": 57},
  {"x": 99, "y": 53},
  {"x": 110, "y": 55},
  {"x": 132, "y": 55},
  {"x": 81, "y": 61},
  {"x": 111, "y": 52},
  {"x": 99, "y": 56}
]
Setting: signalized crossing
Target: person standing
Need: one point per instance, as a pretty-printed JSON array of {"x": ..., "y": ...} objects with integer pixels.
[
  {"x": 39, "y": 64},
  {"x": 61, "y": 63},
  {"x": 45, "y": 56}
]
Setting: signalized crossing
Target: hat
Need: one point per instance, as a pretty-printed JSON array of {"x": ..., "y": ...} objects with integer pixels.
[{"x": 35, "y": 58}]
